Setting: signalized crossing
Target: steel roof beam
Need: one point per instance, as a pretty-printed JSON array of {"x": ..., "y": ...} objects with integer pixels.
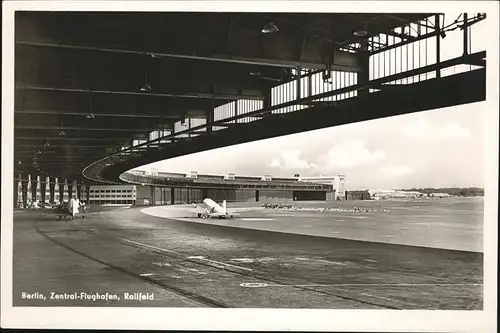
[
  {"x": 44, "y": 138},
  {"x": 78, "y": 128},
  {"x": 52, "y": 146},
  {"x": 100, "y": 114},
  {"x": 179, "y": 95},
  {"x": 347, "y": 61}
]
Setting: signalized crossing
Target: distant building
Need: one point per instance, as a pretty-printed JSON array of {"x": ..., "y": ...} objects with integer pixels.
[
  {"x": 338, "y": 183},
  {"x": 191, "y": 174},
  {"x": 112, "y": 194},
  {"x": 439, "y": 195},
  {"x": 358, "y": 195},
  {"x": 395, "y": 194},
  {"x": 229, "y": 176}
]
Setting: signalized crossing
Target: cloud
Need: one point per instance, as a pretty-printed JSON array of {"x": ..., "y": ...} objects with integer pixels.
[
  {"x": 425, "y": 131},
  {"x": 290, "y": 160},
  {"x": 350, "y": 154},
  {"x": 397, "y": 170}
]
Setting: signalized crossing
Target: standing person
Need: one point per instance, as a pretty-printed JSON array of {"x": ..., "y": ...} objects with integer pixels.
[{"x": 74, "y": 203}]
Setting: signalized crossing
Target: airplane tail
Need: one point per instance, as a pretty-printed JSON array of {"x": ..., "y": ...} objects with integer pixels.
[{"x": 224, "y": 206}]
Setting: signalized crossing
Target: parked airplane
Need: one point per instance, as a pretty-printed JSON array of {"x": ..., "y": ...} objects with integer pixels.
[{"x": 210, "y": 209}]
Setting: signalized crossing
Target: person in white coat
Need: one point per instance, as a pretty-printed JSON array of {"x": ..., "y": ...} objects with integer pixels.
[{"x": 74, "y": 204}]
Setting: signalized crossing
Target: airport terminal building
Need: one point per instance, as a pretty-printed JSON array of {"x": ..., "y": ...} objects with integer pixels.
[{"x": 162, "y": 188}]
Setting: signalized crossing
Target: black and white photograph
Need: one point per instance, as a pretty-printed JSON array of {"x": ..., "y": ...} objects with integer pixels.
[{"x": 206, "y": 165}]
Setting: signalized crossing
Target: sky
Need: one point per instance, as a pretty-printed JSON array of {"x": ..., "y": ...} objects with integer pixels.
[{"x": 437, "y": 148}]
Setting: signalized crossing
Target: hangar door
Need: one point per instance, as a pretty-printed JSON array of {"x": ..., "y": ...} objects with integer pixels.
[{"x": 309, "y": 195}]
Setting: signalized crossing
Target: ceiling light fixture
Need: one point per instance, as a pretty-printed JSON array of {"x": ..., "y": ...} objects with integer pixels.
[
  {"x": 146, "y": 88},
  {"x": 360, "y": 33},
  {"x": 62, "y": 133},
  {"x": 269, "y": 28},
  {"x": 91, "y": 114},
  {"x": 255, "y": 74}
]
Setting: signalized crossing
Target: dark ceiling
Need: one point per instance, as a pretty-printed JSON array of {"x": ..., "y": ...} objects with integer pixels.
[{"x": 69, "y": 65}]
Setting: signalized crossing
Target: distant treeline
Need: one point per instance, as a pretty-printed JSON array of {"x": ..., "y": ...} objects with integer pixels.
[{"x": 455, "y": 191}]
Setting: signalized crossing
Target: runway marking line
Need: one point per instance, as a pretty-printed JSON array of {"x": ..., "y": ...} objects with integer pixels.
[
  {"x": 192, "y": 257},
  {"x": 150, "y": 246},
  {"x": 219, "y": 263},
  {"x": 336, "y": 286},
  {"x": 322, "y": 260},
  {"x": 362, "y": 285},
  {"x": 370, "y": 260}
]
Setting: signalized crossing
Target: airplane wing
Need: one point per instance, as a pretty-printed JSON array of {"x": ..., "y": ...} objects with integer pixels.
[{"x": 243, "y": 209}]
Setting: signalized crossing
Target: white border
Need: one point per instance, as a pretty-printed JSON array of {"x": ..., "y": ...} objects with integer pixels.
[{"x": 255, "y": 319}]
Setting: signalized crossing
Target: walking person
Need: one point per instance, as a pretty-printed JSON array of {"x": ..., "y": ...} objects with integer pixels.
[{"x": 74, "y": 204}]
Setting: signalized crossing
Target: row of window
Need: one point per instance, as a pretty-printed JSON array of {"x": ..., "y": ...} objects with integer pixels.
[
  {"x": 100, "y": 202},
  {"x": 111, "y": 191},
  {"x": 111, "y": 196}
]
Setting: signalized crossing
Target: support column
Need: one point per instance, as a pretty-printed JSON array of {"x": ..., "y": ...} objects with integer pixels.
[
  {"x": 87, "y": 193},
  {"x": 47, "y": 189},
  {"x": 236, "y": 111},
  {"x": 39, "y": 195},
  {"x": 24, "y": 190},
  {"x": 16, "y": 190},
  {"x": 466, "y": 35},
  {"x": 364, "y": 74},
  {"x": 299, "y": 76},
  {"x": 172, "y": 195},
  {"x": 188, "y": 195},
  {"x": 438, "y": 45},
  {"x": 61, "y": 190},
  {"x": 210, "y": 119},
  {"x": 33, "y": 188},
  {"x": 257, "y": 195},
  {"x": 74, "y": 190},
  {"x": 43, "y": 188},
  {"x": 309, "y": 84},
  {"x": 267, "y": 104},
  {"x": 79, "y": 191},
  {"x": 70, "y": 190},
  {"x": 52, "y": 187},
  {"x": 66, "y": 192}
]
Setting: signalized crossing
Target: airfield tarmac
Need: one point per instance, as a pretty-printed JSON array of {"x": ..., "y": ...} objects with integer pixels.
[
  {"x": 208, "y": 264},
  {"x": 454, "y": 224}
]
